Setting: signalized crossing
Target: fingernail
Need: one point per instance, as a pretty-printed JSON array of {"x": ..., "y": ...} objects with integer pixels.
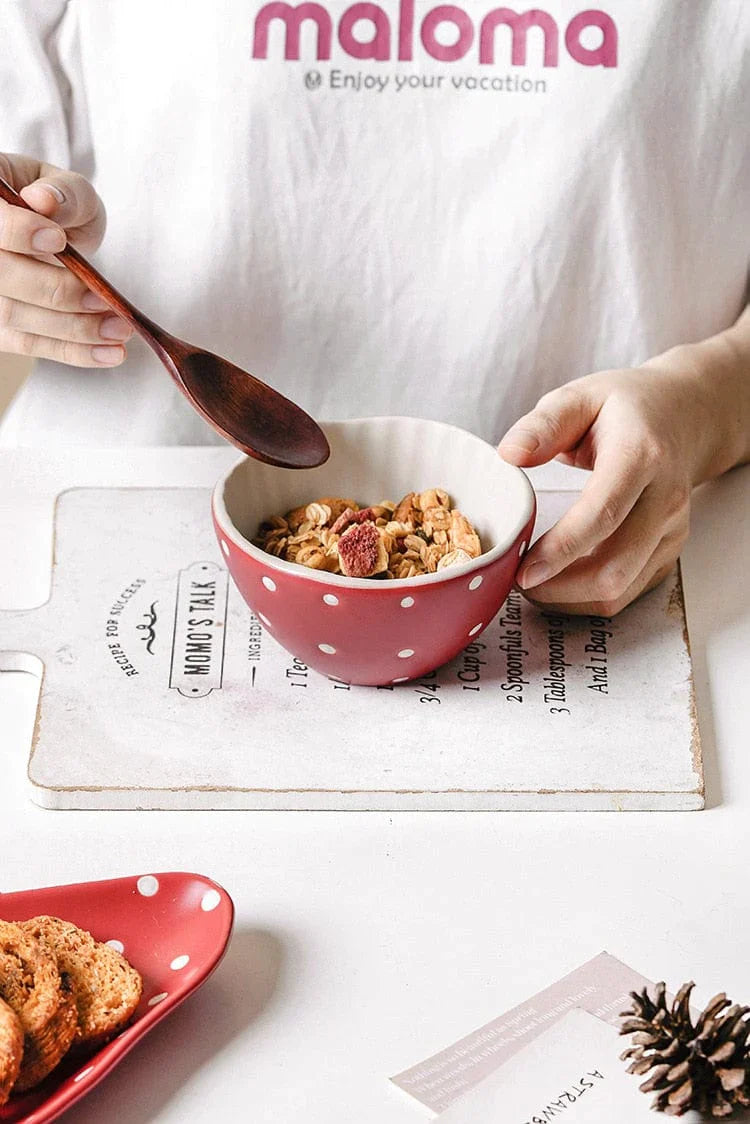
[
  {"x": 48, "y": 240},
  {"x": 50, "y": 187},
  {"x": 93, "y": 303},
  {"x": 107, "y": 356},
  {"x": 534, "y": 574},
  {"x": 113, "y": 328},
  {"x": 518, "y": 438}
]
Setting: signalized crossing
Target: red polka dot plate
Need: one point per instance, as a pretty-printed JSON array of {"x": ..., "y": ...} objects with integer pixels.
[{"x": 173, "y": 927}]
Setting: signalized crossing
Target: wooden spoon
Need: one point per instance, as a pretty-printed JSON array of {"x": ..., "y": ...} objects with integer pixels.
[{"x": 253, "y": 416}]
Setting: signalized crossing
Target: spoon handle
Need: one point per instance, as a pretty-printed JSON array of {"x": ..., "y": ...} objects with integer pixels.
[{"x": 85, "y": 271}]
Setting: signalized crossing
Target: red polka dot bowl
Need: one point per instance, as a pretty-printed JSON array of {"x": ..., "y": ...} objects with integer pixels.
[{"x": 360, "y": 630}]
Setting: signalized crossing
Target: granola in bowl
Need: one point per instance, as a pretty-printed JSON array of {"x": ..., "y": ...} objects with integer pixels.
[{"x": 421, "y": 534}]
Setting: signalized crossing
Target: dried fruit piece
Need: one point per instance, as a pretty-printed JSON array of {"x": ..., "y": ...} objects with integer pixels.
[
  {"x": 433, "y": 497},
  {"x": 312, "y": 555},
  {"x": 420, "y": 534},
  {"x": 436, "y": 519},
  {"x": 276, "y": 545},
  {"x": 453, "y": 558},
  {"x": 406, "y": 511},
  {"x": 296, "y": 517},
  {"x": 362, "y": 552},
  {"x": 337, "y": 505},
  {"x": 318, "y": 514},
  {"x": 415, "y": 543},
  {"x": 398, "y": 529},
  {"x": 432, "y": 556},
  {"x": 343, "y": 520},
  {"x": 364, "y": 515},
  {"x": 462, "y": 535}
]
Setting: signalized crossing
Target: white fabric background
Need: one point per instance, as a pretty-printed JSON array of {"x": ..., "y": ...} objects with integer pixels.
[{"x": 447, "y": 253}]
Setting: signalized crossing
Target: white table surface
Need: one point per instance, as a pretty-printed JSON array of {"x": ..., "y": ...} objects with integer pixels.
[{"x": 366, "y": 941}]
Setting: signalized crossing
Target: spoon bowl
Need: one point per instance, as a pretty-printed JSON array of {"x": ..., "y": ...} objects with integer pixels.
[
  {"x": 283, "y": 434},
  {"x": 249, "y": 413}
]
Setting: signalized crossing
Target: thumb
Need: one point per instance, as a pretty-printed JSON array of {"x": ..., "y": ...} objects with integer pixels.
[
  {"x": 69, "y": 200},
  {"x": 558, "y": 422}
]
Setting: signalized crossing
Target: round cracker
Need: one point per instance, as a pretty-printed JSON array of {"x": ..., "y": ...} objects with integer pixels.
[
  {"x": 42, "y": 999},
  {"x": 11, "y": 1049},
  {"x": 107, "y": 988}
]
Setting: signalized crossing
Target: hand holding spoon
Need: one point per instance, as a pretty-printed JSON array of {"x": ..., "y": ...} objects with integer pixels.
[{"x": 253, "y": 416}]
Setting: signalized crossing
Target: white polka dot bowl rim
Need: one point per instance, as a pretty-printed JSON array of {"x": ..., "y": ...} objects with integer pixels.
[
  {"x": 172, "y": 926},
  {"x": 360, "y": 630}
]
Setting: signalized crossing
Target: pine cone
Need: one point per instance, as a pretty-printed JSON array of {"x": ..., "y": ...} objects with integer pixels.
[{"x": 703, "y": 1066}]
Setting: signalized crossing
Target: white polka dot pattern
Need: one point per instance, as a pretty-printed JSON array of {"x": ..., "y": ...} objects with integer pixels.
[
  {"x": 477, "y": 628},
  {"x": 327, "y": 649},
  {"x": 264, "y": 618},
  {"x": 403, "y": 679},
  {"x": 118, "y": 946},
  {"x": 407, "y": 602},
  {"x": 330, "y": 599},
  {"x": 476, "y": 582},
  {"x": 210, "y": 900},
  {"x": 78, "y": 1077},
  {"x": 405, "y": 653},
  {"x": 179, "y": 962},
  {"x": 269, "y": 583},
  {"x": 158, "y": 998},
  {"x": 148, "y": 885}
]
